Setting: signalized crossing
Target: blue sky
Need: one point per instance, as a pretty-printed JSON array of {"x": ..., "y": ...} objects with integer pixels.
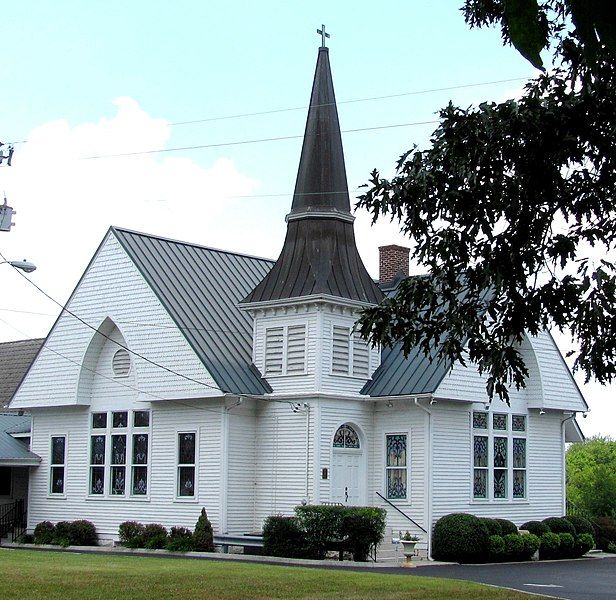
[{"x": 91, "y": 78}]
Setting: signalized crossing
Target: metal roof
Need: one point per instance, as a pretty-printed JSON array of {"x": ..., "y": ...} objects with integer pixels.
[
  {"x": 15, "y": 359},
  {"x": 12, "y": 451},
  {"x": 200, "y": 288}
]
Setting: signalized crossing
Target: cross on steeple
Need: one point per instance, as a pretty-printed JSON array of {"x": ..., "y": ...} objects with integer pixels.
[{"x": 323, "y": 35}]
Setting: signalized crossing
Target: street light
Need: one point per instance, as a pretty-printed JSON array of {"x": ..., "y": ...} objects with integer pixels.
[{"x": 24, "y": 265}]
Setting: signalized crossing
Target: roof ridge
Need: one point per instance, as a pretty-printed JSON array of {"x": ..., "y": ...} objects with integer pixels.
[{"x": 192, "y": 244}]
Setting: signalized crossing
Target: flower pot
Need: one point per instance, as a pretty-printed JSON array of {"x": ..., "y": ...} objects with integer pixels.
[{"x": 408, "y": 549}]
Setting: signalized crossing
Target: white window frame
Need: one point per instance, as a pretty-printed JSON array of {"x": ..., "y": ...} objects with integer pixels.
[
  {"x": 53, "y": 465},
  {"x": 491, "y": 433},
  {"x": 406, "y": 468},
  {"x": 351, "y": 337},
  {"x": 285, "y": 350},
  {"x": 195, "y": 465},
  {"x": 108, "y": 432}
]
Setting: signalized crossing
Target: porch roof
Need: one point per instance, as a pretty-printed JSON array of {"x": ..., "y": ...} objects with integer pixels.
[{"x": 14, "y": 452}]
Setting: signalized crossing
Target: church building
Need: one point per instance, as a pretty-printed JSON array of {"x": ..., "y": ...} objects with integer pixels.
[{"x": 180, "y": 376}]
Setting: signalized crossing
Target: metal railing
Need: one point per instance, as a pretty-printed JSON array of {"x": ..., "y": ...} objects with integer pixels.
[
  {"x": 401, "y": 512},
  {"x": 13, "y": 520}
]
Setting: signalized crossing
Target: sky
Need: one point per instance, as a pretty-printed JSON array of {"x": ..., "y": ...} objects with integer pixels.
[{"x": 82, "y": 81}]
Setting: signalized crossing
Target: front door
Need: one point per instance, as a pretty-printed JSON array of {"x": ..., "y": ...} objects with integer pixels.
[{"x": 347, "y": 467}]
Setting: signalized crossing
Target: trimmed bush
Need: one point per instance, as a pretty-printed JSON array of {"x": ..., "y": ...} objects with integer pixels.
[
  {"x": 535, "y": 527},
  {"x": 583, "y": 543},
  {"x": 203, "y": 536},
  {"x": 496, "y": 548},
  {"x": 550, "y": 542},
  {"x": 322, "y": 526},
  {"x": 460, "y": 537},
  {"x": 82, "y": 533},
  {"x": 514, "y": 546},
  {"x": 581, "y": 524},
  {"x": 605, "y": 532},
  {"x": 44, "y": 532},
  {"x": 559, "y": 525},
  {"x": 180, "y": 540},
  {"x": 531, "y": 545},
  {"x": 507, "y": 527},
  {"x": 282, "y": 536},
  {"x": 131, "y": 534},
  {"x": 63, "y": 533},
  {"x": 361, "y": 528},
  {"x": 567, "y": 545},
  {"x": 154, "y": 536},
  {"x": 492, "y": 525}
]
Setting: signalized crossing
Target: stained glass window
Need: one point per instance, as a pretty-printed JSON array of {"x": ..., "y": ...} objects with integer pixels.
[
  {"x": 97, "y": 450},
  {"x": 518, "y": 422},
  {"x": 500, "y": 452},
  {"x": 58, "y": 464},
  {"x": 118, "y": 449},
  {"x": 186, "y": 464},
  {"x": 519, "y": 453},
  {"x": 57, "y": 480},
  {"x": 480, "y": 451},
  {"x": 140, "y": 448},
  {"x": 140, "y": 481},
  {"x": 346, "y": 437},
  {"x": 118, "y": 480},
  {"x": 480, "y": 483},
  {"x": 186, "y": 448},
  {"x": 500, "y": 483},
  {"x": 141, "y": 418},
  {"x": 99, "y": 420},
  {"x": 58, "y": 445},
  {"x": 97, "y": 480},
  {"x": 480, "y": 420},
  {"x": 499, "y": 422},
  {"x": 120, "y": 419},
  {"x": 396, "y": 466},
  {"x": 519, "y": 483}
]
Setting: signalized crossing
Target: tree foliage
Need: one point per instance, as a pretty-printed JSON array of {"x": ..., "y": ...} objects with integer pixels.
[
  {"x": 591, "y": 476},
  {"x": 511, "y": 208}
]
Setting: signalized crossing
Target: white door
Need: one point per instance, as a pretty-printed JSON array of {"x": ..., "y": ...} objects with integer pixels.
[{"x": 346, "y": 477}]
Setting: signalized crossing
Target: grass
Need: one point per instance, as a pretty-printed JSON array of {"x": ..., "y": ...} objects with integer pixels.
[{"x": 36, "y": 574}]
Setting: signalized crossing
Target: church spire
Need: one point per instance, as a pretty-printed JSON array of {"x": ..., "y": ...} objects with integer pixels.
[{"x": 319, "y": 256}]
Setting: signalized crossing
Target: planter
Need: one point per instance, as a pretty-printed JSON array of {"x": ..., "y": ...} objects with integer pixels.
[{"x": 408, "y": 549}]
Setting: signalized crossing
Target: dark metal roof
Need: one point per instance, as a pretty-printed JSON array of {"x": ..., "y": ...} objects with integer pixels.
[
  {"x": 200, "y": 288},
  {"x": 15, "y": 359},
  {"x": 319, "y": 255}
]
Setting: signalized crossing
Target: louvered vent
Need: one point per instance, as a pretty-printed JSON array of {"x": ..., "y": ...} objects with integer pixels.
[
  {"x": 296, "y": 349},
  {"x": 121, "y": 363},
  {"x": 340, "y": 350},
  {"x": 361, "y": 356},
  {"x": 273, "y": 350}
]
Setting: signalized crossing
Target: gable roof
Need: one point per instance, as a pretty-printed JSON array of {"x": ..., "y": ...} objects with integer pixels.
[
  {"x": 15, "y": 359},
  {"x": 200, "y": 288},
  {"x": 13, "y": 451}
]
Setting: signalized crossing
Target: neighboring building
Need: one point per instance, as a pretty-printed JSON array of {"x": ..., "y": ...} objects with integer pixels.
[
  {"x": 278, "y": 401},
  {"x": 15, "y": 358}
]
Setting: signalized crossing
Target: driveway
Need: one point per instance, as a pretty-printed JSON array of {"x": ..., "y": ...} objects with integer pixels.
[{"x": 585, "y": 579}]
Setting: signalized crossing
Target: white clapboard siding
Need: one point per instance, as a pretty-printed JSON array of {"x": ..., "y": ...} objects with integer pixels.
[
  {"x": 112, "y": 288},
  {"x": 161, "y": 506}
]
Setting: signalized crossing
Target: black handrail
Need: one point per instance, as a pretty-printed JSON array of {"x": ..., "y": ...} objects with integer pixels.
[
  {"x": 13, "y": 519},
  {"x": 401, "y": 512}
]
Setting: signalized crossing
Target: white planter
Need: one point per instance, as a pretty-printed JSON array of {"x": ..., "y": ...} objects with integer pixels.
[{"x": 408, "y": 549}]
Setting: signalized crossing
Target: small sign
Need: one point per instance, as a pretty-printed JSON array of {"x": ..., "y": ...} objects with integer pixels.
[{"x": 324, "y": 473}]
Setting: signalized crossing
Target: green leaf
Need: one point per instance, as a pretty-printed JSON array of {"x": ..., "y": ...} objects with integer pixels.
[
  {"x": 583, "y": 17},
  {"x": 525, "y": 30}
]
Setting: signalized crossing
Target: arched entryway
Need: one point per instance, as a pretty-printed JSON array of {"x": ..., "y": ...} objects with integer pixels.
[{"x": 348, "y": 466}]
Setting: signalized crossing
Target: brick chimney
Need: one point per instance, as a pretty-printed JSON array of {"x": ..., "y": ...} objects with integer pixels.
[{"x": 393, "y": 261}]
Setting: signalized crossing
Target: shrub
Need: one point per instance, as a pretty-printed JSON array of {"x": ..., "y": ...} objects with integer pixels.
[
  {"x": 496, "y": 548},
  {"x": 605, "y": 532},
  {"x": 460, "y": 537},
  {"x": 583, "y": 543},
  {"x": 492, "y": 525},
  {"x": 180, "y": 540},
  {"x": 203, "y": 536},
  {"x": 131, "y": 534},
  {"x": 44, "y": 532},
  {"x": 611, "y": 547},
  {"x": 322, "y": 525},
  {"x": 63, "y": 533},
  {"x": 282, "y": 536},
  {"x": 535, "y": 527},
  {"x": 154, "y": 536},
  {"x": 550, "y": 543},
  {"x": 581, "y": 524},
  {"x": 531, "y": 545},
  {"x": 507, "y": 527},
  {"x": 82, "y": 533},
  {"x": 567, "y": 545},
  {"x": 361, "y": 528},
  {"x": 514, "y": 546},
  {"x": 559, "y": 525}
]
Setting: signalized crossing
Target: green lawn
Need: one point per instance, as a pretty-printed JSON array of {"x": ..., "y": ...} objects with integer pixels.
[{"x": 42, "y": 575}]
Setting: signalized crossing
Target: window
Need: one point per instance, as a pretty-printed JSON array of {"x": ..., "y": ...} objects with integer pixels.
[
  {"x": 285, "y": 350},
  {"x": 119, "y": 452},
  {"x": 396, "y": 466},
  {"x": 499, "y": 456},
  {"x": 350, "y": 353},
  {"x": 6, "y": 476},
  {"x": 346, "y": 437},
  {"x": 186, "y": 483},
  {"x": 57, "y": 464}
]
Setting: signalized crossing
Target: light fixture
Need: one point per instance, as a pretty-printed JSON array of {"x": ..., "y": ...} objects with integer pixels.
[
  {"x": 433, "y": 401},
  {"x": 487, "y": 406},
  {"x": 542, "y": 412},
  {"x": 389, "y": 404},
  {"x": 23, "y": 265}
]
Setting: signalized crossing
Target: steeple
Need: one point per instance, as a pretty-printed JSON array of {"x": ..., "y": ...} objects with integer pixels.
[{"x": 319, "y": 256}]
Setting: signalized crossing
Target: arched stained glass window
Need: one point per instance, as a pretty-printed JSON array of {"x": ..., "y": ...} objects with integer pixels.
[{"x": 346, "y": 437}]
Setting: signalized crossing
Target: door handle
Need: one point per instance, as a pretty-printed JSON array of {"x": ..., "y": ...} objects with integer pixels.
[{"x": 346, "y": 494}]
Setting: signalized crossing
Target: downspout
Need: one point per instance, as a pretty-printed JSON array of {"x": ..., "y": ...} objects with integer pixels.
[
  {"x": 564, "y": 462},
  {"x": 307, "y": 407},
  {"x": 428, "y": 478}
]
